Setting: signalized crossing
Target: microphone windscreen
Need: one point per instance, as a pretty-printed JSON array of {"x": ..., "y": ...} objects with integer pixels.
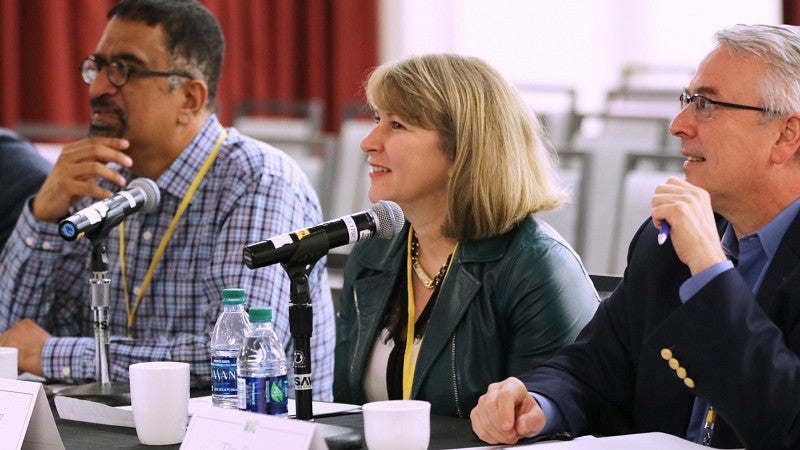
[
  {"x": 390, "y": 218},
  {"x": 152, "y": 195}
]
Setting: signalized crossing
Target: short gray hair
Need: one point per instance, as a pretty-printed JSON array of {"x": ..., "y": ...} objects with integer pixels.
[{"x": 779, "y": 47}]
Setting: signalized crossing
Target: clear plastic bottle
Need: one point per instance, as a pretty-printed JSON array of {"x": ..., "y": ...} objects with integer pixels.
[
  {"x": 262, "y": 368},
  {"x": 226, "y": 342}
]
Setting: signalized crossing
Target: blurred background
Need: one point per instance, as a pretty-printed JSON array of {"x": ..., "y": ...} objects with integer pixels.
[{"x": 603, "y": 75}]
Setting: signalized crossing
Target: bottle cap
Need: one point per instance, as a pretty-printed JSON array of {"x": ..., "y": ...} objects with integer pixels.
[
  {"x": 260, "y": 314},
  {"x": 232, "y": 296}
]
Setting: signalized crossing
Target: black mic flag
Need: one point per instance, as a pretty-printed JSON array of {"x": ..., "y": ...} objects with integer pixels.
[
  {"x": 141, "y": 194},
  {"x": 384, "y": 219}
]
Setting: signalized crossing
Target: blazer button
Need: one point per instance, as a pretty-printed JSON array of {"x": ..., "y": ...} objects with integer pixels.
[{"x": 674, "y": 364}]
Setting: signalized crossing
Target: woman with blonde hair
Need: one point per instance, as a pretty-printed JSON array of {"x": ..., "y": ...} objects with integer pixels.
[{"x": 490, "y": 289}]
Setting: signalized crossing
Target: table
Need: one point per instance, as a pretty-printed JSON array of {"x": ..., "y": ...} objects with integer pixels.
[
  {"x": 446, "y": 433},
  {"x": 345, "y": 431}
]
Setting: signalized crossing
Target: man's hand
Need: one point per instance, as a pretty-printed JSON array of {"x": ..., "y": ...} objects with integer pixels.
[
  {"x": 74, "y": 176},
  {"x": 29, "y": 339},
  {"x": 506, "y": 413},
  {"x": 693, "y": 230}
]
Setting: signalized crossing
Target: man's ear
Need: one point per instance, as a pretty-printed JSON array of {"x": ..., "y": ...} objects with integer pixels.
[
  {"x": 788, "y": 143},
  {"x": 195, "y": 96}
]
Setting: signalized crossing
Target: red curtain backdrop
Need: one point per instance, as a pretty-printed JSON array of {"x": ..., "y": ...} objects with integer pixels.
[
  {"x": 791, "y": 12},
  {"x": 275, "y": 49}
]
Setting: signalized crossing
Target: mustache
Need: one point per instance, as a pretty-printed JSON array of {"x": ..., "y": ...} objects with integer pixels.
[
  {"x": 105, "y": 103},
  {"x": 100, "y": 129}
]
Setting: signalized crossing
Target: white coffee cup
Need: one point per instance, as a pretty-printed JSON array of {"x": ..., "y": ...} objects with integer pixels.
[
  {"x": 8, "y": 362},
  {"x": 160, "y": 401},
  {"x": 397, "y": 424}
]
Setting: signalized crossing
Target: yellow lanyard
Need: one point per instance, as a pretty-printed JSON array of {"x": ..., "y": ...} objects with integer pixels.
[
  {"x": 708, "y": 426},
  {"x": 131, "y": 310},
  {"x": 409, "y": 358}
]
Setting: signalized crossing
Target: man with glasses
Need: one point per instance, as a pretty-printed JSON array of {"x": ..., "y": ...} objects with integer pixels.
[
  {"x": 152, "y": 83},
  {"x": 701, "y": 338}
]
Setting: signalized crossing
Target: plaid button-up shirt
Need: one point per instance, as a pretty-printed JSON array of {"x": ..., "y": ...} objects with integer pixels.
[{"x": 252, "y": 192}]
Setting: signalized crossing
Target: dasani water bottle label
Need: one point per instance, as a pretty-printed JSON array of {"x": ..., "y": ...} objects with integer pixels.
[
  {"x": 277, "y": 395},
  {"x": 223, "y": 375},
  {"x": 253, "y": 394}
]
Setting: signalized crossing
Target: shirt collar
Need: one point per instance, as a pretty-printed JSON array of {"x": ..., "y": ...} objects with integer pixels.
[{"x": 770, "y": 235}]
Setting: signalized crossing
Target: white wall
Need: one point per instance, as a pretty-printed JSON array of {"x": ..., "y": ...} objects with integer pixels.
[
  {"x": 579, "y": 43},
  {"x": 584, "y": 43}
]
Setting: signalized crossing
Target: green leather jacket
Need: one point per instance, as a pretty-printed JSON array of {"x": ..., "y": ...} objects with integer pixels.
[{"x": 506, "y": 305}]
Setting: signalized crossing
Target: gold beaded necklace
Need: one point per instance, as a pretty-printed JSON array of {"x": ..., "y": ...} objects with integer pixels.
[{"x": 426, "y": 280}]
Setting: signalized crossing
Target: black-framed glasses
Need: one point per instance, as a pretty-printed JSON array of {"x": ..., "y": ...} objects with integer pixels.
[
  {"x": 703, "y": 107},
  {"x": 118, "y": 72}
]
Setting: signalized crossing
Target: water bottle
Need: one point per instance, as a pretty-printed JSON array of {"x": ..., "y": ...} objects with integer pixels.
[
  {"x": 226, "y": 342},
  {"x": 262, "y": 368}
]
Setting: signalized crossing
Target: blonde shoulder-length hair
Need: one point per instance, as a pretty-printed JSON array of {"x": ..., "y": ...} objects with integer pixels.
[{"x": 503, "y": 169}]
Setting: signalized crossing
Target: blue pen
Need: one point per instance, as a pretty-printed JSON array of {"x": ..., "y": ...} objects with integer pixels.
[{"x": 663, "y": 234}]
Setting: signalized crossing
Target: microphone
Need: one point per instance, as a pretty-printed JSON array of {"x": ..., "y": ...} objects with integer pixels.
[
  {"x": 141, "y": 194},
  {"x": 383, "y": 219}
]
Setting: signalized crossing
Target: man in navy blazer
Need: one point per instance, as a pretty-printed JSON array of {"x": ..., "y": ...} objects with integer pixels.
[{"x": 702, "y": 336}]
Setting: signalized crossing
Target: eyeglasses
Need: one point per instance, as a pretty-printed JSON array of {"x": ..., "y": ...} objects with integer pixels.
[
  {"x": 703, "y": 107},
  {"x": 119, "y": 72}
]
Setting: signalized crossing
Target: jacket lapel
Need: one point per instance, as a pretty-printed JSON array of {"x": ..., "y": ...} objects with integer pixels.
[
  {"x": 459, "y": 289},
  {"x": 372, "y": 295},
  {"x": 786, "y": 260}
]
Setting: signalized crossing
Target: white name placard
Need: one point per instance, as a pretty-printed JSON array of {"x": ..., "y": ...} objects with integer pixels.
[
  {"x": 216, "y": 428},
  {"x": 25, "y": 417}
]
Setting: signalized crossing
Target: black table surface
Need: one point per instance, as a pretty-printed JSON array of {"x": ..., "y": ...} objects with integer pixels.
[{"x": 341, "y": 431}]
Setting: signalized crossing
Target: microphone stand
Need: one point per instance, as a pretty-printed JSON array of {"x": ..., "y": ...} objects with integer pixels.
[
  {"x": 102, "y": 390},
  {"x": 309, "y": 250}
]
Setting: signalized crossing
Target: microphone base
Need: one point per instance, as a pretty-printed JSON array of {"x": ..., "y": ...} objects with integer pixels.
[
  {"x": 338, "y": 437},
  {"x": 111, "y": 394}
]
